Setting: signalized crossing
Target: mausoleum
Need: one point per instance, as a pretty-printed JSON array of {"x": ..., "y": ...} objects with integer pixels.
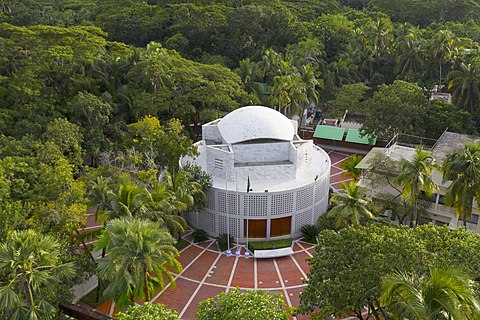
[{"x": 287, "y": 178}]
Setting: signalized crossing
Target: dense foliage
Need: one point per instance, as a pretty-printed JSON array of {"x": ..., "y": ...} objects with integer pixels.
[
  {"x": 248, "y": 305},
  {"x": 100, "y": 99},
  {"x": 347, "y": 267}
]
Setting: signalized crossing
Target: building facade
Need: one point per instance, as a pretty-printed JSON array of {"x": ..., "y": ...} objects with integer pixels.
[
  {"x": 287, "y": 178},
  {"x": 438, "y": 212}
]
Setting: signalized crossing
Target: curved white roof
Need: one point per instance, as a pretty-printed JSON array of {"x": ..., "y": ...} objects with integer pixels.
[{"x": 255, "y": 122}]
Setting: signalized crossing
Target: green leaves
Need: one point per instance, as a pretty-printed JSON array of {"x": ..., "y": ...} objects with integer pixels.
[{"x": 248, "y": 305}]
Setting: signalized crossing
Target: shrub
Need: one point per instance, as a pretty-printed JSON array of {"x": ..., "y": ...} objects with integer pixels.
[
  {"x": 200, "y": 235},
  {"x": 248, "y": 305},
  {"x": 272, "y": 244},
  {"x": 310, "y": 233},
  {"x": 223, "y": 240},
  {"x": 148, "y": 311}
]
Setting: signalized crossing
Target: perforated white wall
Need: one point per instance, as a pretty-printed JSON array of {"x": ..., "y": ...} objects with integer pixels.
[
  {"x": 234, "y": 227},
  {"x": 302, "y": 219},
  {"x": 222, "y": 225},
  {"x": 233, "y": 204},
  {"x": 206, "y": 221},
  {"x": 221, "y": 201},
  {"x": 210, "y": 193},
  {"x": 304, "y": 198},
  {"x": 321, "y": 189},
  {"x": 258, "y": 205},
  {"x": 282, "y": 204}
]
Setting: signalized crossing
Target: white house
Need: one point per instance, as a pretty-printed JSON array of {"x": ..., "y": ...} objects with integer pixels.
[
  {"x": 288, "y": 177},
  {"x": 398, "y": 148}
]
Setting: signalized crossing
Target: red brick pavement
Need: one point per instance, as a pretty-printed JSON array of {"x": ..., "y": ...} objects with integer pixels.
[
  {"x": 205, "y": 276},
  {"x": 267, "y": 275}
]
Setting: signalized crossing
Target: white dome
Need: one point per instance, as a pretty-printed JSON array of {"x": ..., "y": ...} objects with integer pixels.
[{"x": 255, "y": 122}]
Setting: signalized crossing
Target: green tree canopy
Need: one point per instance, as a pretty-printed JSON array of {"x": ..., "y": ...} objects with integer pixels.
[{"x": 248, "y": 305}]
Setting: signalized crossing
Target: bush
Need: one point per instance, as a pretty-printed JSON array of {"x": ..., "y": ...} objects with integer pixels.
[
  {"x": 248, "y": 305},
  {"x": 223, "y": 240},
  {"x": 200, "y": 235},
  {"x": 310, "y": 233},
  {"x": 326, "y": 222},
  {"x": 148, "y": 311},
  {"x": 272, "y": 244}
]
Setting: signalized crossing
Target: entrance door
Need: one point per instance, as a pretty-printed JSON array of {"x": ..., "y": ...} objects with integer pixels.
[
  {"x": 256, "y": 228},
  {"x": 280, "y": 227}
]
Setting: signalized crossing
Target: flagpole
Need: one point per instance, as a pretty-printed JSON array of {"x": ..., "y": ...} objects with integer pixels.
[
  {"x": 237, "y": 252},
  {"x": 228, "y": 217},
  {"x": 248, "y": 212}
]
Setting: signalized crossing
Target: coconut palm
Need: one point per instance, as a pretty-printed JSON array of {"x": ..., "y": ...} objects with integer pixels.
[
  {"x": 184, "y": 188},
  {"x": 30, "y": 271},
  {"x": 350, "y": 165},
  {"x": 415, "y": 176},
  {"x": 409, "y": 56},
  {"x": 164, "y": 207},
  {"x": 128, "y": 201},
  {"x": 353, "y": 205},
  {"x": 443, "y": 49},
  {"x": 445, "y": 293},
  {"x": 465, "y": 83},
  {"x": 140, "y": 254},
  {"x": 463, "y": 168}
]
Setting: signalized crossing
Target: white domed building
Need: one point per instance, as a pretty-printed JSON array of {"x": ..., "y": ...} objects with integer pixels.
[{"x": 288, "y": 177}]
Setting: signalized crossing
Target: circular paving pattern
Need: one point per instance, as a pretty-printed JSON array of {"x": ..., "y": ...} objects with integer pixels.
[{"x": 207, "y": 271}]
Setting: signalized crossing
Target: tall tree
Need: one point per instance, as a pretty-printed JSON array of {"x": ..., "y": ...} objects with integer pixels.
[
  {"x": 465, "y": 83},
  {"x": 30, "y": 272},
  {"x": 352, "y": 205},
  {"x": 415, "y": 176},
  {"x": 140, "y": 254},
  {"x": 462, "y": 167},
  {"x": 445, "y": 293}
]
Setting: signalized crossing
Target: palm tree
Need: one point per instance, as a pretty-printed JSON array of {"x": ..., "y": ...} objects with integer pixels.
[
  {"x": 184, "y": 188},
  {"x": 128, "y": 201},
  {"x": 164, "y": 208},
  {"x": 31, "y": 270},
  {"x": 463, "y": 168},
  {"x": 140, "y": 255},
  {"x": 350, "y": 165},
  {"x": 353, "y": 205},
  {"x": 446, "y": 293},
  {"x": 416, "y": 175},
  {"x": 443, "y": 49},
  {"x": 409, "y": 53},
  {"x": 466, "y": 86}
]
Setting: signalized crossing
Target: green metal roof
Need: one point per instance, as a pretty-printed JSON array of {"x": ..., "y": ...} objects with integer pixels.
[
  {"x": 353, "y": 135},
  {"x": 329, "y": 132}
]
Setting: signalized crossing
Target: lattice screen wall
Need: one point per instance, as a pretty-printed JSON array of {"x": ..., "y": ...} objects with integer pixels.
[
  {"x": 320, "y": 209},
  {"x": 222, "y": 224},
  {"x": 206, "y": 221},
  {"x": 304, "y": 198},
  {"x": 258, "y": 205},
  {"x": 221, "y": 201},
  {"x": 321, "y": 189},
  {"x": 232, "y": 202},
  {"x": 234, "y": 227},
  {"x": 282, "y": 204},
  {"x": 210, "y": 193},
  {"x": 302, "y": 219}
]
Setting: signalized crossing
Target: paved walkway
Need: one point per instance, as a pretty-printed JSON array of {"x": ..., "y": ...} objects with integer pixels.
[{"x": 207, "y": 272}]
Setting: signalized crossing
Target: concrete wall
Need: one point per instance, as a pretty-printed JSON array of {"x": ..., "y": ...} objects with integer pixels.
[
  {"x": 213, "y": 153},
  {"x": 261, "y": 152},
  {"x": 268, "y": 172},
  {"x": 211, "y": 132},
  {"x": 304, "y": 156},
  {"x": 83, "y": 288}
]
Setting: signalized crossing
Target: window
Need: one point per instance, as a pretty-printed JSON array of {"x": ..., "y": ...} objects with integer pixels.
[
  {"x": 441, "y": 199},
  {"x": 218, "y": 163}
]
